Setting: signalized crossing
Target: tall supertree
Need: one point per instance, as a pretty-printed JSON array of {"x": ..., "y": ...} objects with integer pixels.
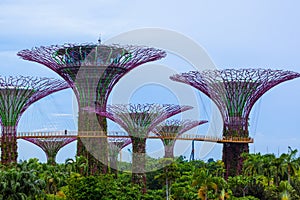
[
  {"x": 92, "y": 70},
  {"x": 138, "y": 121},
  {"x": 170, "y": 130},
  {"x": 115, "y": 145},
  {"x": 51, "y": 146},
  {"x": 235, "y": 91},
  {"x": 16, "y": 95}
]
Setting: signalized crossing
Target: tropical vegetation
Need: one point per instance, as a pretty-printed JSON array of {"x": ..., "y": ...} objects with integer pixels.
[{"x": 265, "y": 177}]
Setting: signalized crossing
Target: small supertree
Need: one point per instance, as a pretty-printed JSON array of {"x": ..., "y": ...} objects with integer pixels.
[
  {"x": 170, "y": 130},
  {"x": 138, "y": 121},
  {"x": 16, "y": 95},
  {"x": 51, "y": 146},
  {"x": 115, "y": 145},
  {"x": 235, "y": 91},
  {"x": 92, "y": 70}
]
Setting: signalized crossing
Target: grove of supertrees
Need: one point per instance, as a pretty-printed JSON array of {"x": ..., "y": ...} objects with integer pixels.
[
  {"x": 170, "y": 130},
  {"x": 138, "y": 121},
  {"x": 16, "y": 95},
  {"x": 234, "y": 91},
  {"x": 92, "y": 70},
  {"x": 51, "y": 146}
]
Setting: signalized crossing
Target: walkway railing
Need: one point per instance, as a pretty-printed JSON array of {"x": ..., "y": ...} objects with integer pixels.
[{"x": 99, "y": 134}]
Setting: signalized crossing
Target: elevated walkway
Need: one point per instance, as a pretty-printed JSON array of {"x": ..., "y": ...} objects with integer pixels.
[{"x": 97, "y": 134}]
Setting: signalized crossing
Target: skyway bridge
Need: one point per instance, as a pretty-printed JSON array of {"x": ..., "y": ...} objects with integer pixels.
[{"x": 118, "y": 134}]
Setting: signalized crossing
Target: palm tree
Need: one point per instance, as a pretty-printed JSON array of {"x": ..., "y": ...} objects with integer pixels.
[
  {"x": 54, "y": 178},
  {"x": 79, "y": 165},
  {"x": 268, "y": 168},
  {"x": 278, "y": 163},
  {"x": 169, "y": 175},
  {"x": 290, "y": 163},
  {"x": 216, "y": 168},
  {"x": 205, "y": 182},
  {"x": 252, "y": 164},
  {"x": 19, "y": 185},
  {"x": 284, "y": 188}
]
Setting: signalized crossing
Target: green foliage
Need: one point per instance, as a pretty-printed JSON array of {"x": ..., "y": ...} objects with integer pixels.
[
  {"x": 101, "y": 187},
  {"x": 264, "y": 177},
  {"x": 244, "y": 198},
  {"x": 16, "y": 184}
]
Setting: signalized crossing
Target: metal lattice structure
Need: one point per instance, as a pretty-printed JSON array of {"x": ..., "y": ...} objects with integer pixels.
[
  {"x": 51, "y": 146},
  {"x": 16, "y": 95},
  {"x": 235, "y": 91},
  {"x": 72, "y": 60},
  {"x": 170, "y": 130},
  {"x": 92, "y": 71},
  {"x": 138, "y": 121}
]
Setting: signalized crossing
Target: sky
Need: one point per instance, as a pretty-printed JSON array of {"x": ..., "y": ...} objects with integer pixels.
[{"x": 234, "y": 34}]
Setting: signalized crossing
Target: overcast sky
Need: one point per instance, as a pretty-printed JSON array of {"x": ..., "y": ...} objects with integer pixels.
[{"x": 235, "y": 34}]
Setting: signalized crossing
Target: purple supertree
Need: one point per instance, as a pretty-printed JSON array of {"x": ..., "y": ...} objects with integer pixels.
[
  {"x": 115, "y": 145},
  {"x": 235, "y": 91},
  {"x": 92, "y": 71},
  {"x": 138, "y": 121},
  {"x": 16, "y": 95},
  {"x": 51, "y": 146},
  {"x": 170, "y": 130}
]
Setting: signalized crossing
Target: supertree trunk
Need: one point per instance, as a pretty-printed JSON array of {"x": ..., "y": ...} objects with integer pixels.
[
  {"x": 115, "y": 146},
  {"x": 113, "y": 160},
  {"x": 9, "y": 153},
  {"x": 232, "y": 158},
  {"x": 138, "y": 161},
  {"x": 169, "y": 150},
  {"x": 92, "y": 141},
  {"x": 51, "y": 159},
  {"x": 232, "y": 152}
]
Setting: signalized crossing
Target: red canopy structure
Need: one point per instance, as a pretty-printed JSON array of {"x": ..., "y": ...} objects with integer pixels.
[
  {"x": 92, "y": 70},
  {"x": 235, "y": 91},
  {"x": 170, "y": 130},
  {"x": 138, "y": 121},
  {"x": 16, "y": 95},
  {"x": 51, "y": 146}
]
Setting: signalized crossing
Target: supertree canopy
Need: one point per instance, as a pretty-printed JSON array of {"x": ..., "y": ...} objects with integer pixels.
[
  {"x": 110, "y": 63},
  {"x": 51, "y": 146},
  {"x": 170, "y": 130},
  {"x": 92, "y": 70},
  {"x": 235, "y": 91},
  {"x": 16, "y": 95},
  {"x": 138, "y": 121}
]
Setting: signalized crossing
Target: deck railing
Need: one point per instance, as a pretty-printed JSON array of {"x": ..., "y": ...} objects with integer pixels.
[{"x": 97, "y": 134}]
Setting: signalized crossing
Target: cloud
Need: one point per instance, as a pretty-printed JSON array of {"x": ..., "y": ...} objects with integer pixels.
[{"x": 54, "y": 19}]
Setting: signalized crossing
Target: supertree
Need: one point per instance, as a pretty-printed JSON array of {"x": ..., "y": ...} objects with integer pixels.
[
  {"x": 170, "y": 130},
  {"x": 16, "y": 95},
  {"x": 51, "y": 146},
  {"x": 138, "y": 121},
  {"x": 235, "y": 91},
  {"x": 92, "y": 70},
  {"x": 115, "y": 145}
]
